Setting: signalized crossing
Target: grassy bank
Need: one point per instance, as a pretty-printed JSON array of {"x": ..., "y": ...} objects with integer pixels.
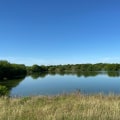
[{"x": 62, "y": 107}]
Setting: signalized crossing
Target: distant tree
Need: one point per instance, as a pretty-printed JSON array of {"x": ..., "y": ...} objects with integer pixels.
[
  {"x": 35, "y": 68},
  {"x": 112, "y": 67}
]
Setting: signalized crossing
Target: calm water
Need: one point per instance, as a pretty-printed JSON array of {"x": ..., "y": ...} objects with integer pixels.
[{"x": 58, "y": 84}]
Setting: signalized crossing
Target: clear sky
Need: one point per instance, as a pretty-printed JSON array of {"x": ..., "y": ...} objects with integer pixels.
[{"x": 60, "y": 31}]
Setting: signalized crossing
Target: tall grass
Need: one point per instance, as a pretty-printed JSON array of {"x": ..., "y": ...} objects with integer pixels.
[{"x": 61, "y": 107}]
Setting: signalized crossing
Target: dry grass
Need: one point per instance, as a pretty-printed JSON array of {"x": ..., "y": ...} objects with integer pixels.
[{"x": 62, "y": 107}]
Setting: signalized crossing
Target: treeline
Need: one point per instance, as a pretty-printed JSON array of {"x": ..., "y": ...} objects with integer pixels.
[
  {"x": 73, "y": 68},
  {"x": 9, "y": 71}
]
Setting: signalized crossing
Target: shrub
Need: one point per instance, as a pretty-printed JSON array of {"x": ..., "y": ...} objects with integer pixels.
[{"x": 3, "y": 90}]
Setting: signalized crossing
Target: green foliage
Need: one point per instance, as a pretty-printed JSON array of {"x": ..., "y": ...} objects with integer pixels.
[
  {"x": 8, "y": 70},
  {"x": 37, "y": 69},
  {"x": 3, "y": 90},
  {"x": 112, "y": 67},
  {"x": 79, "y": 69},
  {"x": 4, "y": 69}
]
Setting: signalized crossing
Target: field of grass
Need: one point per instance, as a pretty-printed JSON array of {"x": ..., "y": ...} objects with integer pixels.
[{"x": 62, "y": 107}]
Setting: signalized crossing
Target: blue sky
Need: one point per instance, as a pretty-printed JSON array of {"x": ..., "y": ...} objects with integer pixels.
[{"x": 60, "y": 31}]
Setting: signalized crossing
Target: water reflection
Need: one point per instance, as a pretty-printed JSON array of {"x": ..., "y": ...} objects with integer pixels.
[
  {"x": 113, "y": 74},
  {"x": 11, "y": 83},
  {"x": 38, "y": 75},
  {"x": 87, "y": 74},
  {"x": 78, "y": 74},
  {"x": 53, "y": 83}
]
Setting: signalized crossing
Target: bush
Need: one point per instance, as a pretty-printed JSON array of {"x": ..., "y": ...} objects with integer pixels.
[{"x": 3, "y": 90}]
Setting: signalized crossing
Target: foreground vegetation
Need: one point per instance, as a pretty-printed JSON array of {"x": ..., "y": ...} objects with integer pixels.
[{"x": 63, "y": 107}]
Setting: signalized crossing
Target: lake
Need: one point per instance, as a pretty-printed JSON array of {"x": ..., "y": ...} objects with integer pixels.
[{"x": 54, "y": 84}]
